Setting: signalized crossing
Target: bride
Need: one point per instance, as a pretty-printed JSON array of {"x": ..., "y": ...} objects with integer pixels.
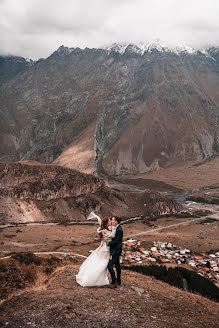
[{"x": 93, "y": 271}]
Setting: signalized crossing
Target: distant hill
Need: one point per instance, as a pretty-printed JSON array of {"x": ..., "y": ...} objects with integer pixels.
[{"x": 34, "y": 192}]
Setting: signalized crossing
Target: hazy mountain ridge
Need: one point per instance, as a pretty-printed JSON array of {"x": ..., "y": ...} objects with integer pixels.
[
  {"x": 148, "y": 110},
  {"x": 10, "y": 66}
]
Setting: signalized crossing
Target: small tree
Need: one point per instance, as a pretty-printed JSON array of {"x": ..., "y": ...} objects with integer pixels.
[{"x": 215, "y": 146}]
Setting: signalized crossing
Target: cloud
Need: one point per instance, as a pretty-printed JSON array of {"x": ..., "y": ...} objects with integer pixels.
[{"x": 35, "y": 28}]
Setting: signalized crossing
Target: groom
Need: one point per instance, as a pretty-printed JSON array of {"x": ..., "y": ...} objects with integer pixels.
[{"x": 115, "y": 252}]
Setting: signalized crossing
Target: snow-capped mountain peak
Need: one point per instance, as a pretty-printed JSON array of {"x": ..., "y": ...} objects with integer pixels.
[
  {"x": 62, "y": 50},
  {"x": 118, "y": 47},
  {"x": 142, "y": 47}
]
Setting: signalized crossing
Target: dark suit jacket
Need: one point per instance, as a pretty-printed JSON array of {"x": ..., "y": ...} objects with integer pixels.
[{"x": 116, "y": 243}]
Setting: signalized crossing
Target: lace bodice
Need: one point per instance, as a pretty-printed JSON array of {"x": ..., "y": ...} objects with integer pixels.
[{"x": 107, "y": 234}]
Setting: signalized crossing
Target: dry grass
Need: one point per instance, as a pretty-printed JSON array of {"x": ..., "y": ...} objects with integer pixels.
[
  {"x": 25, "y": 270},
  {"x": 62, "y": 303}
]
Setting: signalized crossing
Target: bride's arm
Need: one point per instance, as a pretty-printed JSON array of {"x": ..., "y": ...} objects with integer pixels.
[{"x": 111, "y": 234}]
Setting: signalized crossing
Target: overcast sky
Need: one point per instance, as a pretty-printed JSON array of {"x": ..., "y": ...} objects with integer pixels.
[{"x": 36, "y": 28}]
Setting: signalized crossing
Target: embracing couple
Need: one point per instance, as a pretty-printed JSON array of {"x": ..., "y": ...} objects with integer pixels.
[{"x": 93, "y": 271}]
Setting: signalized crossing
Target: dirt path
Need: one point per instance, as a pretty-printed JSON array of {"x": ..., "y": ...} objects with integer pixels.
[{"x": 215, "y": 216}]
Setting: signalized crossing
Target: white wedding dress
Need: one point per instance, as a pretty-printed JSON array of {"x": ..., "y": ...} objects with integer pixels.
[{"x": 93, "y": 271}]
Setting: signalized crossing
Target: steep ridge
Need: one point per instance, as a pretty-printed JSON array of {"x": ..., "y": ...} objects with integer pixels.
[
  {"x": 145, "y": 108},
  {"x": 34, "y": 192}
]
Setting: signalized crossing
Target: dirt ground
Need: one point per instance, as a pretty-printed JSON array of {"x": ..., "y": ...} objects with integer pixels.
[{"x": 141, "y": 301}]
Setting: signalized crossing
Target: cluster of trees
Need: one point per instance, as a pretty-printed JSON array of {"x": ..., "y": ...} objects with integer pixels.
[
  {"x": 215, "y": 146},
  {"x": 176, "y": 277},
  {"x": 200, "y": 199}
]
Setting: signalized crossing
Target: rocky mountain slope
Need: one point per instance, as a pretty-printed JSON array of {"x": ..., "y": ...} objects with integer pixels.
[
  {"x": 34, "y": 192},
  {"x": 126, "y": 109}
]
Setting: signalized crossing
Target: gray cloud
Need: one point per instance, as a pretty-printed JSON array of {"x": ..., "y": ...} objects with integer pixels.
[{"x": 35, "y": 28}]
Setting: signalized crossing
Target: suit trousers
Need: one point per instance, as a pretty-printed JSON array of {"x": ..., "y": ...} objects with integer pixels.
[{"x": 115, "y": 261}]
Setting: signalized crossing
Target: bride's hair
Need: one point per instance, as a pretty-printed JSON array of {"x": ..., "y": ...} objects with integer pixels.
[{"x": 104, "y": 225}]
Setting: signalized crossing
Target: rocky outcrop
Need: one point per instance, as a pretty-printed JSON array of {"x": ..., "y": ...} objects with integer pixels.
[
  {"x": 148, "y": 109},
  {"x": 37, "y": 182},
  {"x": 31, "y": 192}
]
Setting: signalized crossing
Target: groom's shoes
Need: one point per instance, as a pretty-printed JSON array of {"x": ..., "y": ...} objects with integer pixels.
[
  {"x": 118, "y": 283},
  {"x": 112, "y": 286}
]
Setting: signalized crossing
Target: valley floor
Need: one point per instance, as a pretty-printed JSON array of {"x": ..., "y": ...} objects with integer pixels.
[
  {"x": 196, "y": 236},
  {"x": 188, "y": 176}
]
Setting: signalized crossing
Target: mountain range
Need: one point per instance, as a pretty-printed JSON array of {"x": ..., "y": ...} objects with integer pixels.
[{"x": 125, "y": 109}]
